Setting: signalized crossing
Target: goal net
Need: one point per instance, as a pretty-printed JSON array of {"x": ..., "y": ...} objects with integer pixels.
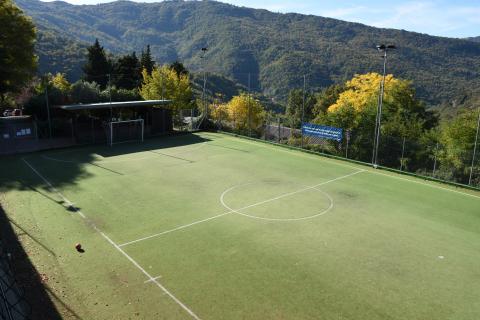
[{"x": 125, "y": 131}]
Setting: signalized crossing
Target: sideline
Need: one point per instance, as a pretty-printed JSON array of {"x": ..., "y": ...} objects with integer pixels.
[
  {"x": 135, "y": 263},
  {"x": 300, "y": 153}
]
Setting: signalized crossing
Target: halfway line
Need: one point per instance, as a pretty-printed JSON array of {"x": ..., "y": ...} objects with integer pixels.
[
  {"x": 175, "y": 229},
  {"x": 243, "y": 208}
]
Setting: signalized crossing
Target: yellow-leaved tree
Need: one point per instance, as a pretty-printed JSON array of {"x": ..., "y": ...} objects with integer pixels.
[
  {"x": 355, "y": 109},
  {"x": 165, "y": 83},
  {"x": 61, "y": 83},
  {"x": 245, "y": 112},
  {"x": 219, "y": 112},
  {"x": 363, "y": 90}
]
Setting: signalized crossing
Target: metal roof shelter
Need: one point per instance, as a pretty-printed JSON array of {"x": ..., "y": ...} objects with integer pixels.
[{"x": 108, "y": 105}]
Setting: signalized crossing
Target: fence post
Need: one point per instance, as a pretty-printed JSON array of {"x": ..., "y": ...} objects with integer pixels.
[
  {"x": 48, "y": 112},
  {"x": 91, "y": 127},
  {"x": 435, "y": 161},
  {"x": 403, "y": 152},
  {"x": 347, "y": 136},
  {"x": 474, "y": 149},
  {"x": 278, "y": 136},
  {"x": 265, "y": 130},
  {"x": 35, "y": 127},
  {"x": 72, "y": 129},
  {"x": 191, "y": 119}
]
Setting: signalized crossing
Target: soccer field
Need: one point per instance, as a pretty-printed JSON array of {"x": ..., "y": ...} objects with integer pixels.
[{"x": 209, "y": 226}]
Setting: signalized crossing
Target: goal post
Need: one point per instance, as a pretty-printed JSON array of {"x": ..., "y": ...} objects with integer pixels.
[{"x": 125, "y": 131}]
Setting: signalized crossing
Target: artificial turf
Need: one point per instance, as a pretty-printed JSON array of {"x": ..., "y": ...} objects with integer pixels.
[{"x": 313, "y": 238}]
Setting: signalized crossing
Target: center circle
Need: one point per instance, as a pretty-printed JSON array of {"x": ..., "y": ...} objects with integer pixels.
[{"x": 291, "y": 201}]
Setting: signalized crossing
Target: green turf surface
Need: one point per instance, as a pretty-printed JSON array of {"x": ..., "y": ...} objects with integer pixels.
[{"x": 236, "y": 229}]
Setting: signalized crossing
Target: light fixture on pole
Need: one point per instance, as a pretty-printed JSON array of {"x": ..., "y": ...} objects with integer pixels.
[{"x": 382, "y": 48}]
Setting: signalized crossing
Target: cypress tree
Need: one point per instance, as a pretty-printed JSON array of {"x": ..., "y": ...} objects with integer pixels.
[
  {"x": 146, "y": 60},
  {"x": 127, "y": 72},
  {"x": 97, "y": 67}
]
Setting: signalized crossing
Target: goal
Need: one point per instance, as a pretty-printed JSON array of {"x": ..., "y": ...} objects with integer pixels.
[{"x": 125, "y": 131}]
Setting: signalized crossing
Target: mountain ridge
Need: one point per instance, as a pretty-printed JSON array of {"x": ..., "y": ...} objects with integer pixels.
[{"x": 275, "y": 49}]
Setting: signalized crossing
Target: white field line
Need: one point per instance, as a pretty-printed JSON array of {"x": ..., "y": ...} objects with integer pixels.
[
  {"x": 298, "y": 191},
  {"x": 425, "y": 184},
  {"x": 321, "y": 213},
  {"x": 155, "y": 278},
  {"x": 97, "y": 162},
  {"x": 174, "y": 229},
  {"x": 65, "y": 200},
  {"x": 119, "y": 160},
  {"x": 235, "y": 211},
  {"x": 374, "y": 171},
  {"x": 150, "y": 278}
]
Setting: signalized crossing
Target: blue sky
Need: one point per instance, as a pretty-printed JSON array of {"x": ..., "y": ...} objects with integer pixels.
[{"x": 451, "y": 18}]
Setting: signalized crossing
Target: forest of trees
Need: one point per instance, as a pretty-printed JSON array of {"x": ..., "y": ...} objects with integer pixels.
[{"x": 275, "y": 49}]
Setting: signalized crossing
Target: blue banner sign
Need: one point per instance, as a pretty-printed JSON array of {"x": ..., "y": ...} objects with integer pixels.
[{"x": 315, "y": 130}]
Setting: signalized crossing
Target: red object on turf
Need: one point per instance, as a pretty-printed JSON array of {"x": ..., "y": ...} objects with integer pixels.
[{"x": 78, "y": 246}]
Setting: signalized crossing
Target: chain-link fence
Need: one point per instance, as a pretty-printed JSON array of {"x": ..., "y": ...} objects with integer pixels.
[
  {"x": 188, "y": 120},
  {"x": 427, "y": 158},
  {"x": 13, "y": 305}
]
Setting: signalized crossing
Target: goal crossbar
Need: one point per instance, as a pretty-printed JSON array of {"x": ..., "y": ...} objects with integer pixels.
[{"x": 125, "y": 131}]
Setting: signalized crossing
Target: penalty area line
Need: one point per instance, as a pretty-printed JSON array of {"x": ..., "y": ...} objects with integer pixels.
[{"x": 135, "y": 263}]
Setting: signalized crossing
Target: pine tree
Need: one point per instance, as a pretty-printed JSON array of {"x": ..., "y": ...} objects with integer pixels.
[
  {"x": 127, "y": 72},
  {"x": 146, "y": 60},
  {"x": 97, "y": 67}
]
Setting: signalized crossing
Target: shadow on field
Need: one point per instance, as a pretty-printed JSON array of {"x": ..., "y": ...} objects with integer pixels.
[
  {"x": 61, "y": 168},
  {"x": 36, "y": 298},
  {"x": 64, "y": 167},
  {"x": 154, "y": 144}
]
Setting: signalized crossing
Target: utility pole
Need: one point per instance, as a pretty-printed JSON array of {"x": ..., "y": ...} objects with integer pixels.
[{"x": 378, "y": 122}]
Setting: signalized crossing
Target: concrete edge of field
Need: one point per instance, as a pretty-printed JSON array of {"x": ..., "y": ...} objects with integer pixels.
[{"x": 450, "y": 183}]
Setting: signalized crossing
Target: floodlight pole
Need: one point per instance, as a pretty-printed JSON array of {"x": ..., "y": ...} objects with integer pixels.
[
  {"x": 474, "y": 149},
  {"x": 204, "y": 98},
  {"x": 249, "y": 109},
  {"x": 303, "y": 107},
  {"x": 383, "y": 48}
]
